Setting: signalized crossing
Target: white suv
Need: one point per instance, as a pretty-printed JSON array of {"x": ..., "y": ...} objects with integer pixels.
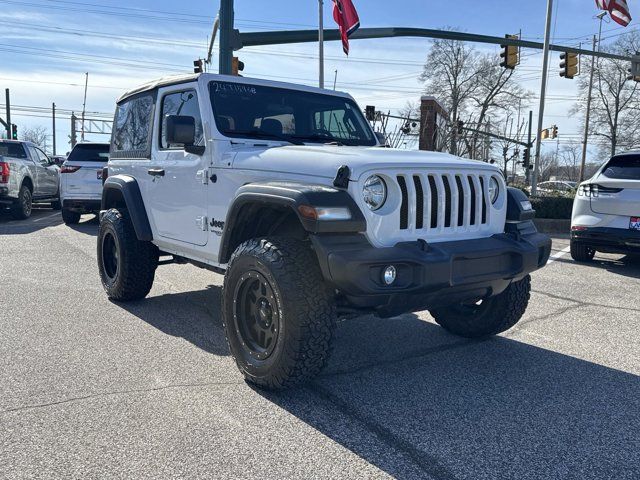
[
  {"x": 606, "y": 211},
  {"x": 81, "y": 180},
  {"x": 285, "y": 190}
]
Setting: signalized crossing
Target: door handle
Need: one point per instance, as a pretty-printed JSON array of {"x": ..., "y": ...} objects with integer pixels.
[{"x": 156, "y": 172}]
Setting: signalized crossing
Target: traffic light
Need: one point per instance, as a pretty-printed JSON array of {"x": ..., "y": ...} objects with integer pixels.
[
  {"x": 510, "y": 54},
  {"x": 554, "y": 132},
  {"x": 634, "y": 71},
  {"x": 198, "y": 66},
  {"x": 370, "y": 113},
  {"x": 544, "y": 134},
  {"x": 14, "y": 132},
  {"x": 460, "y": 127},
  {"x": 526, "y": 159},
  {"x": 569, "y": 65},
  {"x": 237, "y": 66}
]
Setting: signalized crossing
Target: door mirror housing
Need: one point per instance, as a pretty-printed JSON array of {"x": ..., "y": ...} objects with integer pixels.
[{"x": 181, "y": 130}]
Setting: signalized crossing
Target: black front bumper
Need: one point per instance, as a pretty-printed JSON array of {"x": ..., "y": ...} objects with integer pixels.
[
  {"x": 429, "y": 275},
  {"x": 608, "y": 240}
]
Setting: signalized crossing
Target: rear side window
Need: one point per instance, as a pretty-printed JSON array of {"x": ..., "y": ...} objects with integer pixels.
[
  {"x": 15, "y": 150},
  {"x": 89, "y": 153},
  {"x": 132, "y": 128},
  {"x": 624, "y": 167}
]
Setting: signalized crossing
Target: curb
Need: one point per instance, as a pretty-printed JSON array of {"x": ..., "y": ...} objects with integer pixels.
[{"x": 552, "y": 225}]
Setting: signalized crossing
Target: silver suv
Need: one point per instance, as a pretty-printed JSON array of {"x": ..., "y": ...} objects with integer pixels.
[{"x": 27, "y": 176}]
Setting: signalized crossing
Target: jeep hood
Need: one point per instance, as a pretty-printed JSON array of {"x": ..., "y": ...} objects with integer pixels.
[{"x": 324, "y": 161}]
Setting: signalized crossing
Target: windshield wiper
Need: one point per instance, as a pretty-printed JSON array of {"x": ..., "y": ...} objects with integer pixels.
[
  {"x": 266, "y": 135},
  {"x": 326, "y": 139}
]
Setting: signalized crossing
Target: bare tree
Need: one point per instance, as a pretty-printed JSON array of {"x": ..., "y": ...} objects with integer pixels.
[
  {"x": 616, "y": 99},
  {"x": 37, "y": 135},
  {"x": 473, "y": 87}
]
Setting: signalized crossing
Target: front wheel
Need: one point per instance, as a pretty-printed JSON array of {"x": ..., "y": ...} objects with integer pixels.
[
  {"x": 127, "y": 265},
  {"x": 279, "y": 315},
  {"x": 487, "y": 317}
]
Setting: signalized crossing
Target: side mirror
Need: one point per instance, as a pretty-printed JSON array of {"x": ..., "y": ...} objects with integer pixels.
[{"x": 181, "y": 130}]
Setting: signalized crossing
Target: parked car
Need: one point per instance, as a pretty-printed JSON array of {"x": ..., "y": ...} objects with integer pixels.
[
  {"x": 27, "y": 176},
  {"x": 606, "y": 211},
  {"x": 284, "y": 189},
  {"x": 555, "y": 187},
  {"x": 58, "y": 159},
  {"x": 81, "y": 180}
]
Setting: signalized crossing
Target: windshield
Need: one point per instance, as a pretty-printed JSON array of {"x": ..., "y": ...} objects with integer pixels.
[
  {"x": 253, "y": 111},
  {"x": 10, "y": 149},
  {"x": 89, "y": 153},
  {"x": 624, "y": 167}
]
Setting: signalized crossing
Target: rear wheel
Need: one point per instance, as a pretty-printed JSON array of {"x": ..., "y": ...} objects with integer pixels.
[
  {"x": 581, "y": 252},
  {"x": 70, "y": 217},
  {"x": 57, "y": 204},
  {"x": 278, "y": 313},
  {"x": 21, "y": 210},
  {"x": 487, "y": 317},
  {"x": 127, "y": 266}
]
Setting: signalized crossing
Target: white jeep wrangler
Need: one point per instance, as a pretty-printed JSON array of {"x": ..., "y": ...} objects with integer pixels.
[{"x": 284, "y": 190}]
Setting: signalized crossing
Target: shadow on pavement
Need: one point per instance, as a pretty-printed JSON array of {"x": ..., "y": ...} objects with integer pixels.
[
  {"x": 628, "y": 266},
  {"x": 89, "y": 225},
  {"x": 418, "y": 403},
  {"x": 40, "y": 219},
  {"x": 194, "y": 316}
]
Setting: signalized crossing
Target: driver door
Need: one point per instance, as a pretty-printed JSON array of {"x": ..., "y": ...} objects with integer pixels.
[
  {"x": 47, "y": 174},
  {"x": 178, "y": 195}
]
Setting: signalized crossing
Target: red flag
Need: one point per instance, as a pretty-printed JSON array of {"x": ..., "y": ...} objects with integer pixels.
[
  {"x": 346, "y": 16},
  {"x": 618, "y": 9}
]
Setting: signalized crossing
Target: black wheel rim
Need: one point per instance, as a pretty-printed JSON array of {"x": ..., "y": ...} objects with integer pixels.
[
  {"x": 26, "y": 203},
  {"x": 256, "y": 315},
  {"x": 110, "y": 256}
]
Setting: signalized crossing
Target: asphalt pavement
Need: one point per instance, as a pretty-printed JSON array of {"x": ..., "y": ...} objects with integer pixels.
[{"x": 95, "y": 389}]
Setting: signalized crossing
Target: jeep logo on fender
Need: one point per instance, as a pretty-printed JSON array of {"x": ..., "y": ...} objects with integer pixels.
[{"x": 216, "y": 224}]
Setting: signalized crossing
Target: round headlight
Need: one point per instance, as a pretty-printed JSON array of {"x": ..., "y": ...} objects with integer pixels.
[
  {"x": 374, "y": 192},
  {"x": 494, "y": 190}
]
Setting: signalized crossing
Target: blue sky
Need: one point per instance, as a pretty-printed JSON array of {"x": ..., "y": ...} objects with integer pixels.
[{"x": 49, "y": 44}]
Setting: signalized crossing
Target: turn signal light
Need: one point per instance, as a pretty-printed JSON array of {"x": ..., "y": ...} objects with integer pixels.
[
  {"x": 4, "y": 172},
  {"x": 69, "y": 169}
]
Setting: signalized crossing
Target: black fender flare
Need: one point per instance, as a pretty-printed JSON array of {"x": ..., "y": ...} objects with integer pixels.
[
  {"x": 129, "y": 190},
  {"x": 291, "y": 196}
]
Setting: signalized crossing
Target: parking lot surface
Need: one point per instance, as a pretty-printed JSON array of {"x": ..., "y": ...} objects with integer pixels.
[{"x": 94, "y": 389}]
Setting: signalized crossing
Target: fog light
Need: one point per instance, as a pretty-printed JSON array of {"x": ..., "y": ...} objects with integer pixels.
[{"x": 389, "y": 275}]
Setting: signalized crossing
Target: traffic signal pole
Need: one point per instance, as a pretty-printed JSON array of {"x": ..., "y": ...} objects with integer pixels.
[
  {"x": 227, "y": 35},
  {"x": 543, "y": 92},
  {"x": 8, "y": 105}
]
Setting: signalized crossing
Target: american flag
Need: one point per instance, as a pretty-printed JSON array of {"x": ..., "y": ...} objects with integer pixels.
[
  {"x": 346, "y": 16},
  {"x": 618, "y": 9}
]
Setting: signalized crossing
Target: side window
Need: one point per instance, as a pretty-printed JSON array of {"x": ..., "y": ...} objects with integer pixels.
[
  {"x": 42, "y": 157},
  {"x": 132, "y": 128},
  {"x": 181, "y": 103}
]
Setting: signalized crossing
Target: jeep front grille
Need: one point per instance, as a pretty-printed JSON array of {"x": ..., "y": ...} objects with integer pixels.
[{"x": 443, "y": 202}]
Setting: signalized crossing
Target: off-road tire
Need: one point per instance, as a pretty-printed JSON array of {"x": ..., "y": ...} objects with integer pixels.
[
  {"x": 491, "y": 317},
  {"x": 70, "y": 217},
  {"x": 21, "y": 209},
  {"x": 303, "y": 303},
  {"x": 135, "y": 262},
  {"x": 581, "y": 252}
]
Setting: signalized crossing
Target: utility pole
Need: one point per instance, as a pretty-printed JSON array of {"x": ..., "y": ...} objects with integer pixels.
[
  {"x": 74, "y": 135},
  {"x": 8, "y": 105},
  {"x": 84, "y": 105},
  {"x": 527, "y": 171},
  {"x": 587, "y": 120},
  {"x": 543, "y": 92},
  {"x": 226, "y": 36},
  {"x": 321, "y": 41},
  {"x": 53, "y": 116}
]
